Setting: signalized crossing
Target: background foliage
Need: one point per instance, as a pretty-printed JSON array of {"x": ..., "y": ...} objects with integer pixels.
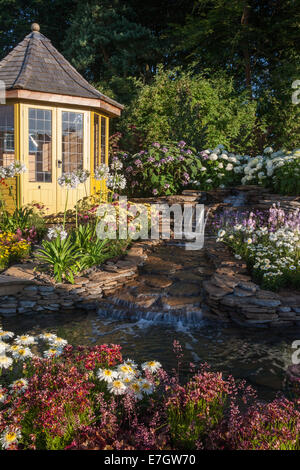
[{"x": 201, "y": 70}]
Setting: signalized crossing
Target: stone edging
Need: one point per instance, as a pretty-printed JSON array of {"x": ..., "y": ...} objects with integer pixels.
[
  {"x": 23, "y": 292},
  {"x": 232, "y": 296}
]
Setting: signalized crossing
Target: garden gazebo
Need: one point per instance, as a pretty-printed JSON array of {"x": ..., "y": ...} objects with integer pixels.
[{"x": 53, "y": 121}]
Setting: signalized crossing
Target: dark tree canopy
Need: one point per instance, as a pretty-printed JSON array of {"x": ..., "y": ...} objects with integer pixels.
[{"x": 120, "y": 45}]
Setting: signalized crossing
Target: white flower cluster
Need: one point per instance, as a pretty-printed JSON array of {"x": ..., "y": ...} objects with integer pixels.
[
  {"x": 20, "y": 350},
  {"x": 57, "y": 231},
  {"x": 114, "y": 180},
  {"x": 101, "y": 172},
  {"x": 257, "y": 170},
  {"x": 128, "y": 379},
  {"x": 273, "y": 254},
  {"x": 218, "y": 166},
  {"x": 69, "y": 180},
  {"x": 13, "y": 169}
]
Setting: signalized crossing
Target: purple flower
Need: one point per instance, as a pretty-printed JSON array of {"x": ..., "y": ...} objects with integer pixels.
[
  {"x": 166, "y": 186},
  {"x": 154, "y": 192},
  {"x": 156, "y": 145},
  {"x": 181, "y": 158},
  {"x": 150, "y": 159},
  {"x": 164, "y": 149},
  {"x": 163, "y": 160},
  {"x": 129, "y": 169},
  {"x": 181, "y": 143},
  {"x": 170, "y": 158},
  {"x": 188, "y": 152},
  {"x": 138, "y": 162}
]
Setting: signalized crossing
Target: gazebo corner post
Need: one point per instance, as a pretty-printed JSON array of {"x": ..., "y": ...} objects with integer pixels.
[{"x": 17, "y": 123}]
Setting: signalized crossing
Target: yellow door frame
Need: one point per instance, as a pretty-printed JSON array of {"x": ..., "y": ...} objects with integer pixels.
[
  {"x": 26, "y": 185},
  {"x": 98, "y": 186}
]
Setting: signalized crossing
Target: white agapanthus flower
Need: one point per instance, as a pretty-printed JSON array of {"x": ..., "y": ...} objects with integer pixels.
[
  {"x": 57, "y": 231},
  {"x": 15, "y": 168},
  {"x": 3, "y": 172},
  {"x": 116, "y": 182},
  {"x": 68, "y": 180},
  {"x": 116, "y": 165},
  {"x": 82, "y": 175},
  {"x": 101, "y": 172}
]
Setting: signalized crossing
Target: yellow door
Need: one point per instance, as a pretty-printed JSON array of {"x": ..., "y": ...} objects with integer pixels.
[
  {"x": 99, "y": 148},
  {"x": 38, "y": 140},
  {"x": 73, "y": 150}
]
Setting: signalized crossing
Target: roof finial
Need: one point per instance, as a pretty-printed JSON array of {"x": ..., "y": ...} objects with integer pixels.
[{"x": 35, "y": 27}]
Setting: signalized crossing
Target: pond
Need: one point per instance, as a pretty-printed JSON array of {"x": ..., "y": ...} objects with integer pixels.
[{"x": 259, "y": 356}]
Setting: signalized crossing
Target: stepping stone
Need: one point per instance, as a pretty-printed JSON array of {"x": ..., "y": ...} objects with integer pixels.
[
  {"x": 188, "y": 276},
  {"x": 157, "y": 281},
  {"x": 184, "y": 289},
  {"x": 174, "y": 303}
]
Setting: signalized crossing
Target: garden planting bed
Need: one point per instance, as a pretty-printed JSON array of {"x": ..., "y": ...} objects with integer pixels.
[
  {"x": 23, "y": 290},
  {"x": 232, "y": 296}
]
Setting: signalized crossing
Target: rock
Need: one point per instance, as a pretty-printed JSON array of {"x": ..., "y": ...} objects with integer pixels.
[
  {"x": 248, "y": 286},
  {"x": 224, "y": 282},
  {"x": 46, "y": 289},
  {"x": 214, "y": 291},
  {"x": 21, "y": 271},
  {"x": 173, "y": 303},
  {"x": 242, "y": 293},
  {"x": 31, "y": 289},
  {"x": 180, "y": 289},
  {"x": 81, "y": 281},
  {"x": 157, "y": 281},
  {"x": 27, "y": 303},
  {"x": 8, "y": 311},
  {"x": 284, "y": 309},
  {"x": 296, "y": 309},
  {"x": 188, "y": 276},
  {"x": 263, "y": 302}
]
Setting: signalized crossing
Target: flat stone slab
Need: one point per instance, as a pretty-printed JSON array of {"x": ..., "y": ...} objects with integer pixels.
[
  {"x": 156, "y": 281},
  {"x": 173, "y": 303},
  {"x": 10, "y": 285}
]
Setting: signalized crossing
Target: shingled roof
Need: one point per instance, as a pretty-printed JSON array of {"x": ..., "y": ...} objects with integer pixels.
[{"x": 35, "y": 65}]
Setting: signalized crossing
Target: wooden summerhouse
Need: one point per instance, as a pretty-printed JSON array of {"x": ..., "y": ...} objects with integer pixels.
[{"x": 52, "y": 120}]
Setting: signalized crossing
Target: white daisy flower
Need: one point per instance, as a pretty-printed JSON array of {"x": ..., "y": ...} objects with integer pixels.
[
  {"x": 107, "y": 375},
  {"x": 52, "y": 352},
  {"x": 136, "y": 388},
  {"x": 152, "y": 366},
  {"x": 3, "y": 347},
  {"x": 2, "y": 395},
  {"x": 19, "y": 385},
  {"x": 117, "y": 387},
  {"x": 6, "y": 334},
  {"x": 22, "y": 353},
  {"x": 5, "y": 361},
  {"x": 125, "y": 370},
  {"x": 9, "y": 437},
  {"x": 25, "y": 340},
  {"x": 48, "y": 336},
  {"x": 147, "y": 387},
  {"x": 58, "y": 342}
]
